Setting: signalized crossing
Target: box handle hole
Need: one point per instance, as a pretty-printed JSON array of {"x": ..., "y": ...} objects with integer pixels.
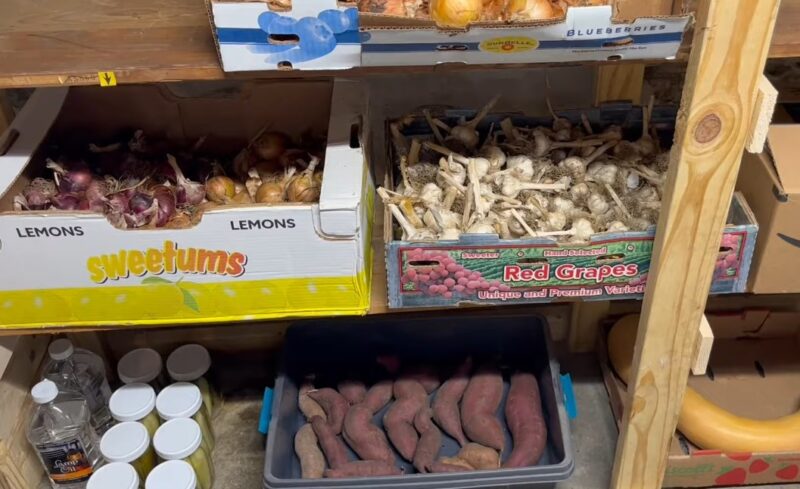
[
  {"x": 285, "y": 65},
  {"x": 608, "y": 259},
  {"x": 452, "y": 47},
  {"x": 283, "y": 39},
  {"x": 628, "y": 41},
  {"x": 355, "y": 131}
]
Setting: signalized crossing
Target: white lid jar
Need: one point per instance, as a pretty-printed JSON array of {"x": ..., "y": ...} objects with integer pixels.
[
  {"x": 143, "y": 365},
  {"x": 115, "y": 475},
  {"x": 182, "y": 439},
  {"x": 191, "y": 363},
  {"x": 175, "y": 474},
  {"x": 129, "y": 443},
  {"x": 184, "y": 400},
  {"x": 135, "y": 402}
]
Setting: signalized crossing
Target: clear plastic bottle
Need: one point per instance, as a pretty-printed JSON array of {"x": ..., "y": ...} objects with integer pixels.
[
  {"x": 85, "y": 372},
  {"x": 62, "y": 435}
]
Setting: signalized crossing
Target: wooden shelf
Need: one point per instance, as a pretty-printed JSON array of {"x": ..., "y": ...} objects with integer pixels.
[{"x": 67, "y": 42}]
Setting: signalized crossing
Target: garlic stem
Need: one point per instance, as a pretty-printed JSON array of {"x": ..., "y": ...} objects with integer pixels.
[
  {"x": 413, "y": 152},
  {"x": 617, "y": 200},
  {"x": 522, "y": 223},
  {"x": 434, "y": 127},
  {"x": 452, "y": 181},
  {"x": 587, "y": 126},
  {"x": 441, "y": 149}
]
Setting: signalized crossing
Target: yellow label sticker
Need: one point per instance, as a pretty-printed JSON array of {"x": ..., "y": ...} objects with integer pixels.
[
  {"x": 508, "y": 45},
  {"x": 107, "y": 78}
]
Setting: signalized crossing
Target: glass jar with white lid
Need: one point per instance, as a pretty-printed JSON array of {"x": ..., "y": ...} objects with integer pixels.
[
  {"x": 129, "y": 443},
  {"x": 184, "y": 400},
  {"x": 182, "y": 439},
  {"x": 191, "y": 363},
  {"x": 143, "y": 365},
  {"x": 175, "y": 474},
  {"x": 136, "y": 402},
  {"x": 115, "y": 475}
]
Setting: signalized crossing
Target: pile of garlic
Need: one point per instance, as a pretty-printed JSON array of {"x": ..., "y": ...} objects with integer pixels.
[{"x": 565, "y": 181}]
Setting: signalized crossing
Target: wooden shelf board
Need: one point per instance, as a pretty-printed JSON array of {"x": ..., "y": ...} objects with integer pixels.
[{"x": 67, "y": 42}]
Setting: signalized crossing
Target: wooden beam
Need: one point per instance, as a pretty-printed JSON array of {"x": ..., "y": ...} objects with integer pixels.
[
  {"x": 762, "y": 115},
  {"x": 583, "y": 326},
  {"x": 730, "y": 47},
  {"x": 703, "y": 345},
  {"x": 619, "y": 82},
  {"x": 6, "y": 112}
]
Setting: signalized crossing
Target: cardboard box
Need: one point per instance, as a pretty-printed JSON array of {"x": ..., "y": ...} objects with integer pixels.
[
  {"x": 534, "y": 270},
  {"x": 238, "y": 263},
  {"x": 625, "y": 29},
  {"x": 754, "y": 371},
  {"x": 308, "y": 35},
  {"x": 771, "y": 184}
]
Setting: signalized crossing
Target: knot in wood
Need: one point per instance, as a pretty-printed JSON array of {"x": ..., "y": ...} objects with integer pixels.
[{"x": 708, "y": 129}]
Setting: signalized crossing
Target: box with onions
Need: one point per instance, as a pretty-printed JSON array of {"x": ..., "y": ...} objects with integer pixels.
[
  {"x": 178, "y": 204},
  {"x": 424, "y": 32},
  {"x": 493, "y": 208}
]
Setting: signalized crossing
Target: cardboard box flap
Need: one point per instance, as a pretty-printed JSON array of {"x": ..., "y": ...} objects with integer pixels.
[
  {"x": 32, "y": 125},
  {"x": 783, "y": 146}
]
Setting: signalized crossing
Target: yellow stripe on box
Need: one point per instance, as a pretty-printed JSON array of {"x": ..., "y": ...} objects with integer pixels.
[{"x": 161, "y": 301}]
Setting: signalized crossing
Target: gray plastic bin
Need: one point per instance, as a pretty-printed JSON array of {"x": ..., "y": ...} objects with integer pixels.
[{"x": 334, "y": 349}]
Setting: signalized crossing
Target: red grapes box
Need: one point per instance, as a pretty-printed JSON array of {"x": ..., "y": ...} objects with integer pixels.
[{"x": 480, "y": 269}]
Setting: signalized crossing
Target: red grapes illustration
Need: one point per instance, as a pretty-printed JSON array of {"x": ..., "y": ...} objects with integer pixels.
[
  {"x": 728, "y": 256},
  {"x": 439, "y": 274}
]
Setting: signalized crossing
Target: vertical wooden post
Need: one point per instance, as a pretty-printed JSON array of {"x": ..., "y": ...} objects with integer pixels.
[
  {"x": 730, "y": 47},
  {"x": 6, "y": 113},
  {"x": 583, "y": 324}
]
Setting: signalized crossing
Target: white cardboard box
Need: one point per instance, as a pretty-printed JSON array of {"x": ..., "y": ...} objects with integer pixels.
[{"x": 239, "y": 262}]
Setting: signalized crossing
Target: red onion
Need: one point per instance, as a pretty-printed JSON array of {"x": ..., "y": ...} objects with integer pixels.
[
  {"x": 66, "y": 202},
  {"x": 96, "y": 194},
  {"x": 118, "y": 202},
  {"x": 140, "y": 202},
  {"x": 38, "y": 193},
  {"x": 71, "y": 181},
  {"x": 142, "y": 209},
  {"x": 189, "y": 192},
  {"x": 165, "y": 196}
]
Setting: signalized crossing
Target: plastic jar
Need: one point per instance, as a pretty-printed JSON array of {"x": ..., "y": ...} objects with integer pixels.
[
  {"x": 183, "y": 400},
  {"x": 190, "y": 363},
  {"x": 114, "y": 476},
  {"x": 182, "y": 439},
  {"x": 175, "y": 474},
  {"x": 143, "y": 365},
  {"x": 129, "y": 443},
  {"x": 136, "y": 402}
]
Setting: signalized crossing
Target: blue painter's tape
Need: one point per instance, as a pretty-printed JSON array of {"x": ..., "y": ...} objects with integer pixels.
[
  {"x": 266, "y": 412},
  {"x": 569, "y": 396},
  {"x": 233, "y": 35},
  {"x": 638, "y": 39}
]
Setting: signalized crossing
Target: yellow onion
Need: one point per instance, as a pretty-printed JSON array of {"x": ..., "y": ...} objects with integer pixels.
[
  {"x": 242, "y": 197},
  {"x": 270, "y": 193},
  {"x": 455, "y": 13},
  {"x": 220, "y": 189},
  {"x": 532, "y": 10},
  {"x": 270, "y": 145},
  {"x": 303, "y": 188}
]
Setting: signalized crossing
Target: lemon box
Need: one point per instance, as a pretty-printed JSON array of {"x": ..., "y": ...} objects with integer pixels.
[{"x": 65, "y": 268}]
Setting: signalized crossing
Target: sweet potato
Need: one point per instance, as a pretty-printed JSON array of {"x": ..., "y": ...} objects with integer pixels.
[
  {"x": 378, "y": 395},
  {"x": 363, "y": 468},
  {"x": 479, "y": 407},
  {"x": 425, "y": 375},
  {"x": 480, "y": 457},
  {"x": 445, "y": 404},
  {"x": 398, "y": 420},
  {"x": 450, "y": 464},
  {"x": 353, "y": 391},
  {"x": 366, "y": 439},
  {"x": 334, "y": 404},
  {"x": 332, "y": 446},
  {"x": 309, "y": 407},
  {"x": 430, "y": 441},
  {"x": 312, "y": 462},
  {"x": 525, "y": 421}
]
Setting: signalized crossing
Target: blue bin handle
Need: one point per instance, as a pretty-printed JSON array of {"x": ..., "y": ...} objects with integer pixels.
[
  {"x": 266, "y": 412},
  {"x": 569, "y": 396}
]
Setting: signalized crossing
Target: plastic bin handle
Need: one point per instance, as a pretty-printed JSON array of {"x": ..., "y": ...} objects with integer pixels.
[
  {"x": 569, "y": 396},
  {"x": 266, "y": 412}
]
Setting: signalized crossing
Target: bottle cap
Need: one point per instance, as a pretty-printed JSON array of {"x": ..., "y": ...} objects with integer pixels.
[
  {"x": 132, "y": 402},
  {"x": 188, "y": 363},
  {"x": 141, "y": 365},
  {"x": 177, "y": 439},
  {"x": 44, "y": 392},
  {"x": 60, "y": 349},
  {"x": 114, "y": 476},
  {"x": 125, "y": 442},
  {"x": 175, "y": 474},
  {"x": 179, "y": 400}
]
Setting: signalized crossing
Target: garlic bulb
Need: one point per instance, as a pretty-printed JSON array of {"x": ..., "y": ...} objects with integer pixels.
[
  {"x": 616, "y": 227},
  {"x": 602, "y": 173},
  {"x": 575, "y": 167},
  {"x": 562, "y": 205},
  {"x": 496, "y": 157},
  {"x": 597, "y": 204},
  {"x": 450, "y": 234},
  {"x": 579, "y": 192},
  {"x": 431, "y": 194},
  {"x": 521, "y": 167},
  {"x": 583, "y": 230},
  {"x": 555, "y": 221}
]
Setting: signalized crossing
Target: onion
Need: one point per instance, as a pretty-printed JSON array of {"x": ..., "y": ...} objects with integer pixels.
[
  {"x": 38, "y": 193},
  {"x": 66, "y": 202},
  {"x": 270, "y": 193},
  {"x": 220, "y": 189},
  {"x": 167, "y": 201},
  {"x": 270, "y": 145},
  {"x": 140, "y": 202},
  {"x": 142, "y": 208},
  {"x": 118, "y": 202},
  {"x": 532, "y": 10},
  {"x": 242, "y": 197},
  {"x": 71, "y": 181},
  {"x": 455, "y": 13},
  {"x": 305, "y": 187},
  {"x": 189, "y": 192}
]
